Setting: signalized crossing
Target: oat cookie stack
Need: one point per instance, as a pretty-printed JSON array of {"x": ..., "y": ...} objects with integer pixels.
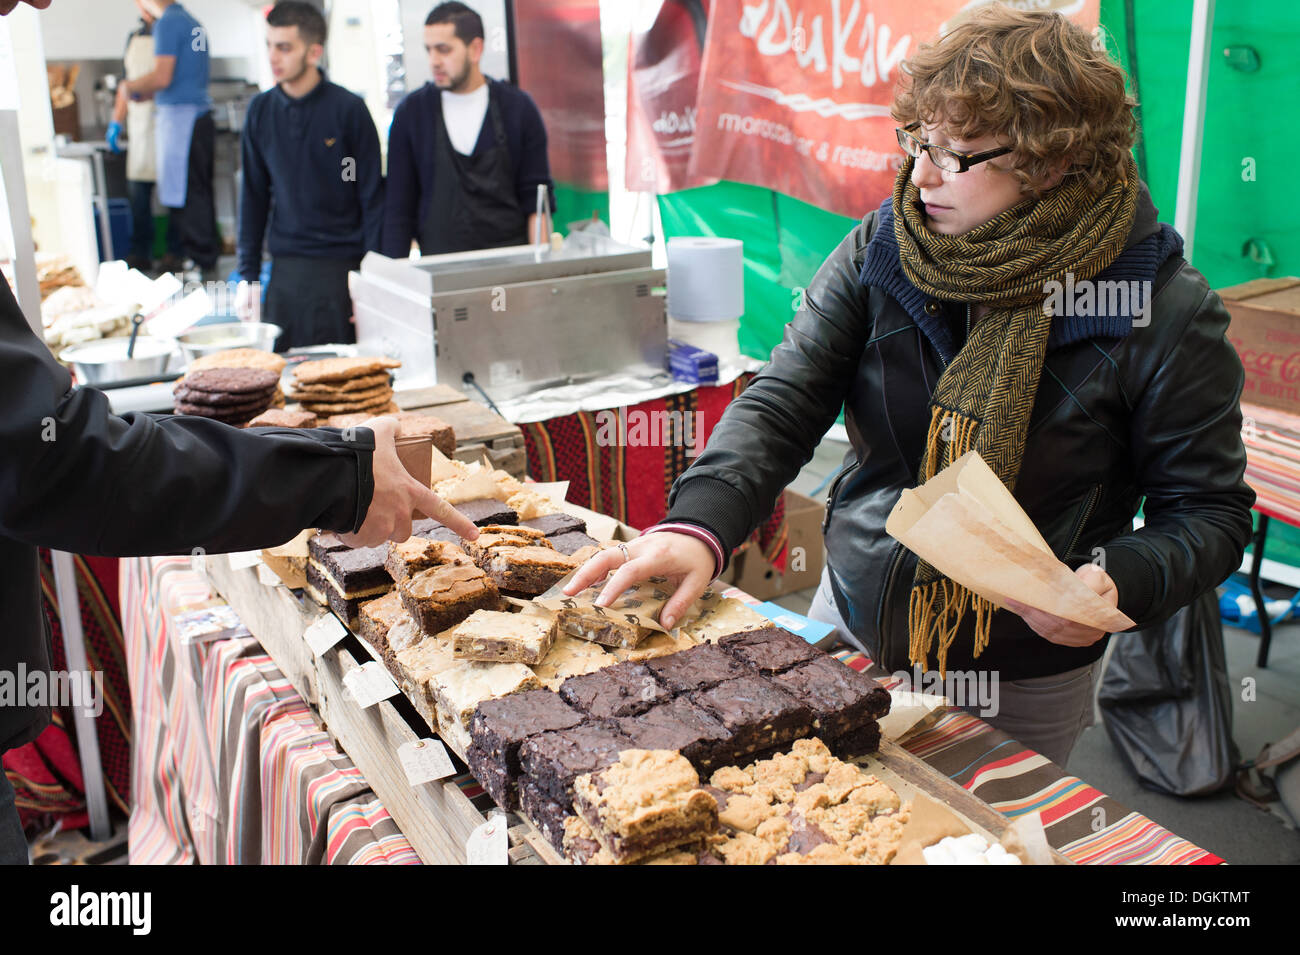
[{"x": 335, "y": 386}]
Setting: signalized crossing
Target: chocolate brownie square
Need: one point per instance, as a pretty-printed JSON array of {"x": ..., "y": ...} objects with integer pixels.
[
  {"x": 756, "y": 713},
  {"x": 323, "y": 589},
  {"x": 554, "y": 524},
  {"x": 431, "y": 530},
  {"x": 624, "y": 689},
  {"x": 544, "y": 812},
  {"x": 698, "y": 668},
  {"x": 841, "y": 698},
  {"x": 357, "y": 570},
  {"x": 681, "y": 726},
  {"x": 488, "y": 511},
  {"x": 499, "y": 727},
  {"x": 324, "y": 542},
  {"x": 491, "y": 771},
  {"x": 857, "y": 742},
  {"x": 769, "y": 650},
  {"x": 570, "y": 544},
  {"x": 555, "y": 759},
  {"x": 443, "y": 596}
]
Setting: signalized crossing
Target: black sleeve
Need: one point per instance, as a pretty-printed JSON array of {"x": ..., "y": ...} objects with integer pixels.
[
  {"x": 1190, "y": 461},
  {"x": 76, "y": 477},
  {"x": 770, "y": 432}
]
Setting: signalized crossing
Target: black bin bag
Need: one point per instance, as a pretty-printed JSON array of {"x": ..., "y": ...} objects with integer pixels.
[{"x": 1167, "y": 703}]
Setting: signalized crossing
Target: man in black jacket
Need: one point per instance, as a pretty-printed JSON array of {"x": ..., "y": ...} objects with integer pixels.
[
  {"x": 313, "y": 188},
  {"x": 76, "y": 477}
]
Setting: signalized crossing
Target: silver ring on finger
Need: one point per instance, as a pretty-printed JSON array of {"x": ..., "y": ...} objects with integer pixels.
[{"x": 626, "y": 555}]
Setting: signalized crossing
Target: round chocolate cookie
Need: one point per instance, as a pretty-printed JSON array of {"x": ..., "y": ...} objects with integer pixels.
[
  {"x": 231, "y": 380},
  {"x": 222, "y": 411},
  {"x": 190, "y": 396}
]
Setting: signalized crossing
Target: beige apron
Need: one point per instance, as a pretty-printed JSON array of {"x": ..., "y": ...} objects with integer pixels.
[{"x": 141, "y": 163}]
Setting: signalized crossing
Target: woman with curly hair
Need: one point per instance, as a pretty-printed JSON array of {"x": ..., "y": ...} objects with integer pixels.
[{"x": 941, "y": 326}]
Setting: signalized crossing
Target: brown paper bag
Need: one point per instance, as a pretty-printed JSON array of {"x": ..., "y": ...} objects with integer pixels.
[{"x": 965, "y": 523}]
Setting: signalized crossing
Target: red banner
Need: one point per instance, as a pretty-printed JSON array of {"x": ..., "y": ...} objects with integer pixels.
[
  {"x": 557, "y": 46},
  {"x": 794, "y": 95},
  {"x": 663, "y": 72}
]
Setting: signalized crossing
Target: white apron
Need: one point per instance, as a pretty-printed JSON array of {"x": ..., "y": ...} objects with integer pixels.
[{"x": 141, "y": 162}]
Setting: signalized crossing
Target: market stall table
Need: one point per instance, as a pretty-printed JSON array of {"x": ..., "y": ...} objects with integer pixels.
[
  {"x": 1081, "y": 822},
  {"x": 1272, "y": 440}
]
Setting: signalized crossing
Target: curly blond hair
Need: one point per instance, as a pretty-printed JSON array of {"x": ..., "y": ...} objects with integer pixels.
[{"x": 1035, "y": 80}]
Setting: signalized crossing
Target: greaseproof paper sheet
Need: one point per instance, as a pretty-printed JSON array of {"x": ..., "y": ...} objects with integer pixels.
[{"x": 968, "y": 526}]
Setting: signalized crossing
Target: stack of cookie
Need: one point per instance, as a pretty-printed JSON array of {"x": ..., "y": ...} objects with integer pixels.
[
  {"x": 335, "y": 386},
  {"x": 231, "y": 395},
  {"x": 245, "y": 358}
]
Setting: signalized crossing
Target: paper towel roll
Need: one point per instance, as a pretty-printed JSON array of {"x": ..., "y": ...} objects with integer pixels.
[
  {"x": 706, "y": 279},
  {"x": 721, "y": 338}
]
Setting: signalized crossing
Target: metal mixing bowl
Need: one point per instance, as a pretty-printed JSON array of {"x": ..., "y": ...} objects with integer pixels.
[
  {"x": 210, "y": 339},
  {"x": 104, "y": 361}
]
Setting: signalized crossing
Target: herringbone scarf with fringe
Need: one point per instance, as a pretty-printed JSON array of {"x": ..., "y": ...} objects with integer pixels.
[{"x": 984, "y": 397}]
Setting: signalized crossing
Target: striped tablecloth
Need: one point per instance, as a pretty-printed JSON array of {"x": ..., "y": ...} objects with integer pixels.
[
  {"x": 230, "y": 766},
  {"x": 1080, "y": 821}
]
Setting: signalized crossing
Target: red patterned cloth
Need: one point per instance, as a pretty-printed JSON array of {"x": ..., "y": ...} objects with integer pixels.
[
  {"x": 46, "y": 774},
  {"x": 623, "y": 464}
]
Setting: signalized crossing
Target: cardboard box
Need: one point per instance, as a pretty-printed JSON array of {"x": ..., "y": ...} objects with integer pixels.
[
  {"x": 1265, "y": 330},
  {"x": 805, "y": 554}
]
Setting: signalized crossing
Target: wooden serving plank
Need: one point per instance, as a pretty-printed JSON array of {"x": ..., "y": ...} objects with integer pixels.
[
  {"x": 935, "y": 784},
  {"x": 436, "y": 818}
]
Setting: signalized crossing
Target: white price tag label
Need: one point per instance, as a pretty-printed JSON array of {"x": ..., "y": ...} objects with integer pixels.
[
  {"x": 370, "y": 684},
  {"x": 324, "y": 633},
  {"x": 267, "y": 576},
  {"x": 243, "y": 559},
  {"x": 489, "y": 844},
  {"x": 425, "y": 760}
]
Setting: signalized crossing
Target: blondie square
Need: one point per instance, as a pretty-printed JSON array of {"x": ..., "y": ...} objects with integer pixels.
[{"x": 492, "y": 636}]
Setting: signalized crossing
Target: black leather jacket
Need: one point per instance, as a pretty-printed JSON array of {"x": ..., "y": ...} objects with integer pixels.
[{"x": 1151, "y": 414}]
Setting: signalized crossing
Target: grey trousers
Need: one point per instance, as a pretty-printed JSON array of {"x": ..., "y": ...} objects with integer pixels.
[{"x": 1047, "y": 713}]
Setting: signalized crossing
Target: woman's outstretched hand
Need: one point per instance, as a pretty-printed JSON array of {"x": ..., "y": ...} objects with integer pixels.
[{"x": 686, "y": 561}]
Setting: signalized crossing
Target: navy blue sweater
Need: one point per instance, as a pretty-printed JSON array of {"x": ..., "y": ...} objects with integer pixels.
[
  {"x": 312, "y": 169},
  {"x": 412, "y": 142}
]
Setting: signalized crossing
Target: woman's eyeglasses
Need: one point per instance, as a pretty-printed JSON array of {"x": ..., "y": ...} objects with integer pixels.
[{"x": 946, "y": 159}]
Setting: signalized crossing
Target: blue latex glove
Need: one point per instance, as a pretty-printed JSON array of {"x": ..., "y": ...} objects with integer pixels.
[{"x": 114, "y": 133}]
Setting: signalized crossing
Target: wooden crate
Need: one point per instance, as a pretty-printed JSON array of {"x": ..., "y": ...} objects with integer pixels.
[{"x": 480, "y": 432}]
